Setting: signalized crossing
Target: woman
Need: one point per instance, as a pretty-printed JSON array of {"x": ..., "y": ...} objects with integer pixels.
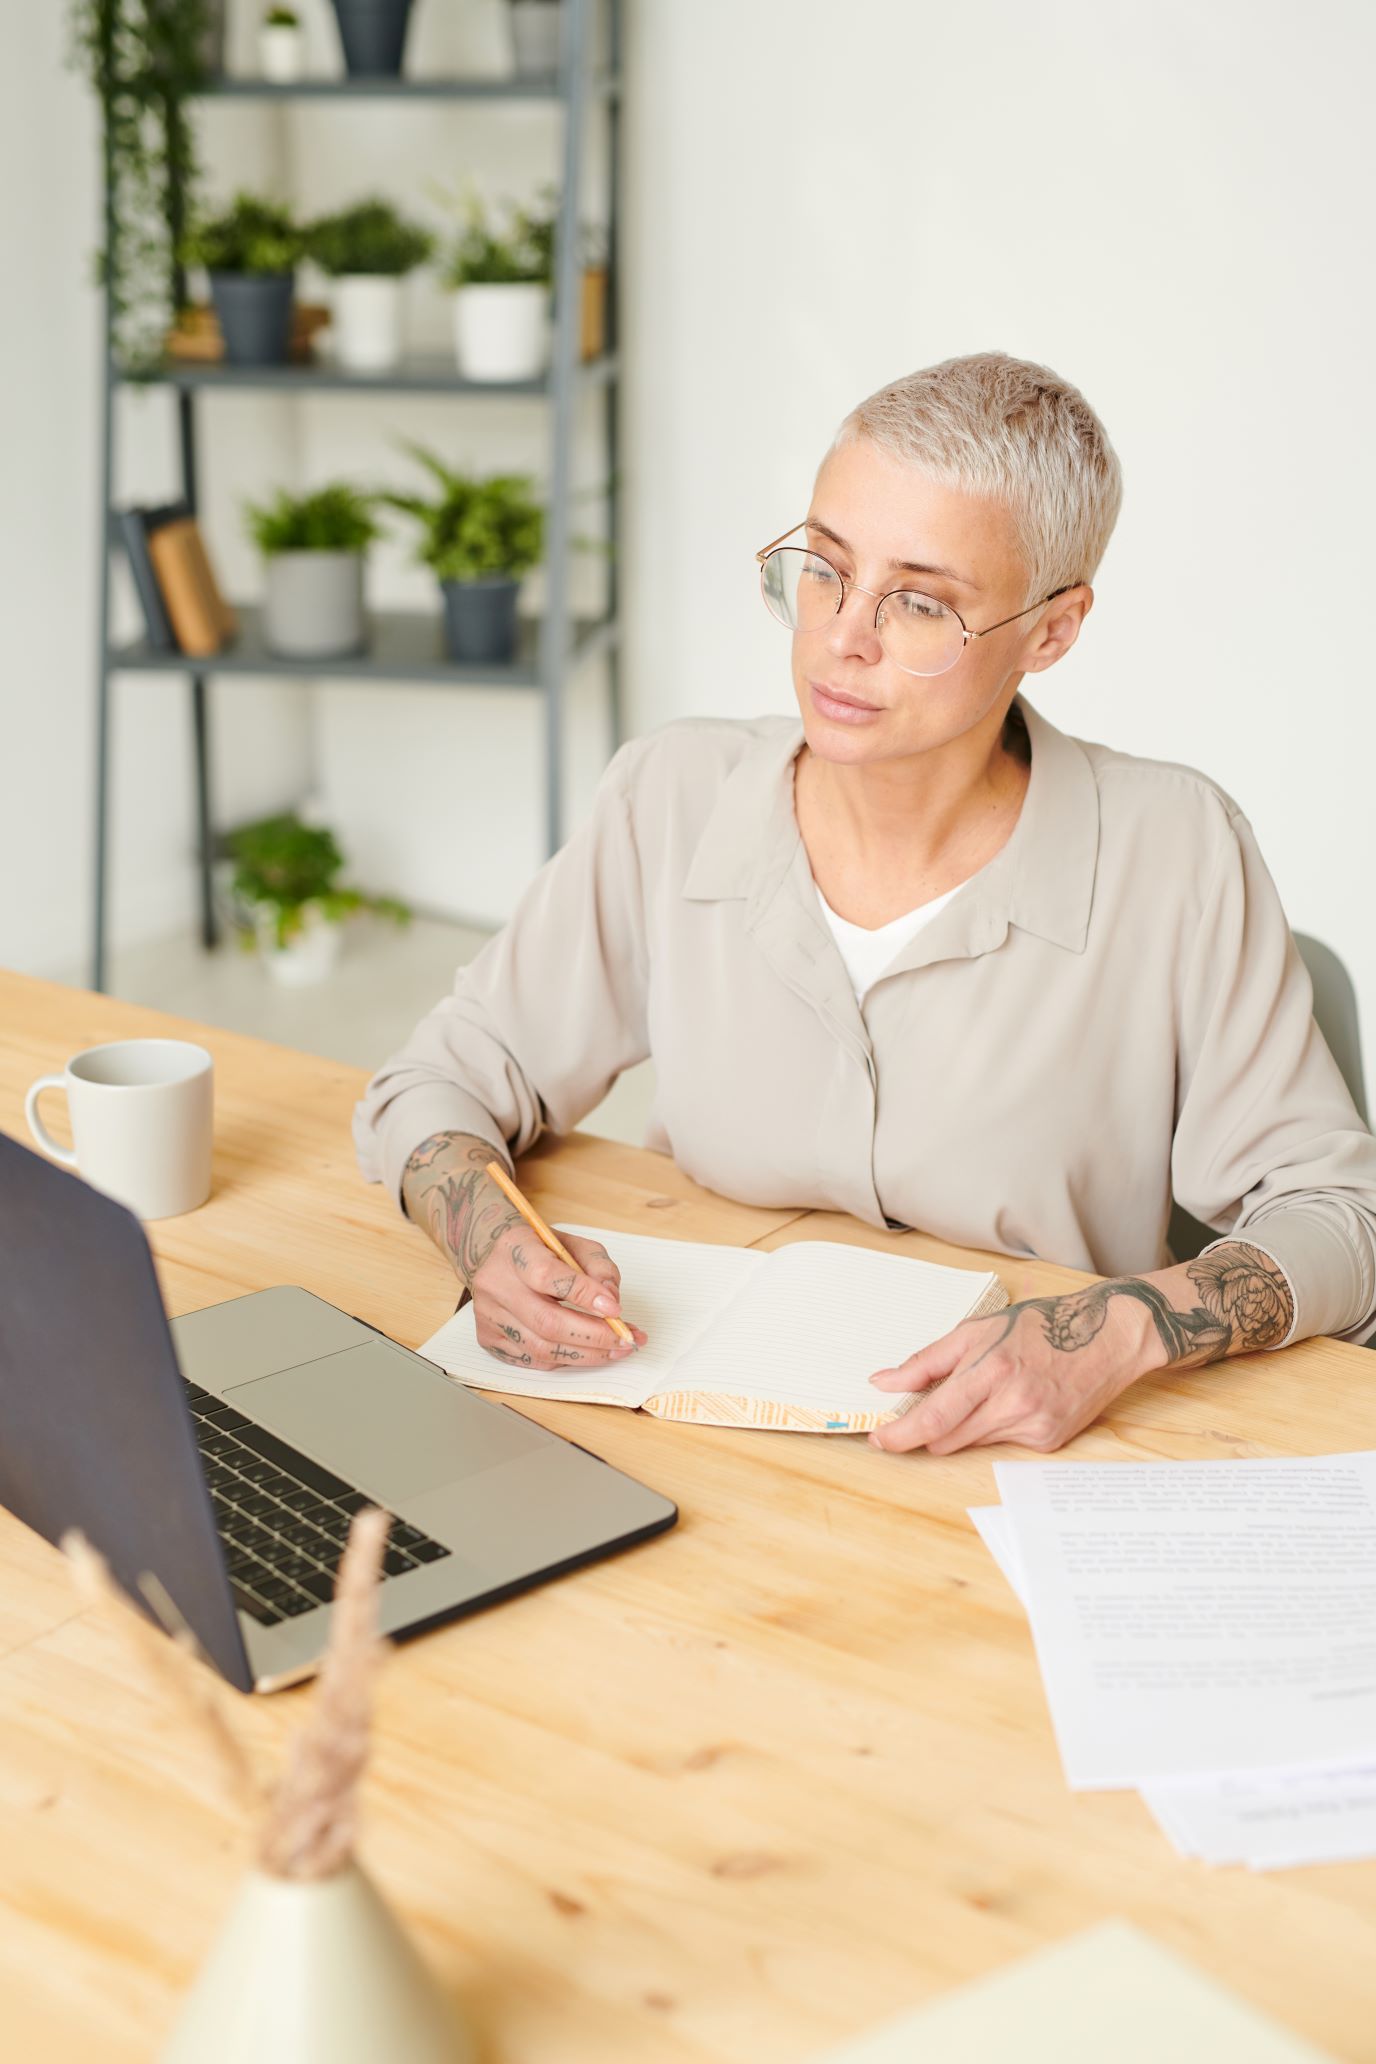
[{"x": 925, "y": 959}]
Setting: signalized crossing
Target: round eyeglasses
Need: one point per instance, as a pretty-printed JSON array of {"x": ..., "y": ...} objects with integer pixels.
[{"x": 919, "y": 634}]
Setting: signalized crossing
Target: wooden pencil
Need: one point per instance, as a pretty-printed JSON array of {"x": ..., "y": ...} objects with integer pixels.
[{"x": 549, "y": 1236}]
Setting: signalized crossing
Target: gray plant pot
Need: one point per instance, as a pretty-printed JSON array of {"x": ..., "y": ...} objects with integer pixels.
[
  {"x": 373, "y": 33},
  {"x": 314, "y": 604},
  {"x": 254, "y": 309},
  {"x": 480, "y": 619}
]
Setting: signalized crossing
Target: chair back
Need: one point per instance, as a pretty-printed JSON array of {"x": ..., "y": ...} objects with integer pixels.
[{"x": 1335, "y": 1012}]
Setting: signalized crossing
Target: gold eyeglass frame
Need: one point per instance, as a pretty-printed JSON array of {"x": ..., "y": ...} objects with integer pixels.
[{"x": 966, "y": 636}]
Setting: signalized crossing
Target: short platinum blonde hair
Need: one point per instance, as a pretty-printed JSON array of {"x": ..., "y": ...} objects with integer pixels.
[{"x": 1013, "y": 432}]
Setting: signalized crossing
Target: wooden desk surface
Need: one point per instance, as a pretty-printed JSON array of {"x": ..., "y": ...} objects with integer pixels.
[{"x": 732, "y": 1796}]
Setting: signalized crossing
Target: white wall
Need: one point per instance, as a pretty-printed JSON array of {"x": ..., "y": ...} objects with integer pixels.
[
  {"x": 1170, "y": 205},
  {"x": 1167, "y": 204}
]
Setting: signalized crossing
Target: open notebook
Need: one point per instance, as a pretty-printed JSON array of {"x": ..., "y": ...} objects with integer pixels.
[{"x": 738, "y": 1338}]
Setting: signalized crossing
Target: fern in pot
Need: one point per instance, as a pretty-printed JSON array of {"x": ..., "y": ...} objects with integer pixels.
[
  {"x": 288, "y": 898},
  {"x": 313, "y": 546},
  {"x": 367, "y": 251},
  {"x": 479, "y": 535},
  {"x": 250, "y": 254}
]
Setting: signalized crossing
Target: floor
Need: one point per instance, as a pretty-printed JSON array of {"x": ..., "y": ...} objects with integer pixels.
[{"x": 385, "y": 980}]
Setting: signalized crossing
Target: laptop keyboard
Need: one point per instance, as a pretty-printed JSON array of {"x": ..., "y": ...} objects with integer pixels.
[{"x": 283, "y": 1520}]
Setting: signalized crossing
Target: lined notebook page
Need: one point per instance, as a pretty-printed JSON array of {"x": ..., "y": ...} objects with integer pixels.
[
  {"x": 672, "y": 1289},
  {"x": 819, "y": 1318}
]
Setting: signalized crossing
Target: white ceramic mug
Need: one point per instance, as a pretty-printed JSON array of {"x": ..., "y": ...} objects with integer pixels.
[{"x": 141, "y": 1122}]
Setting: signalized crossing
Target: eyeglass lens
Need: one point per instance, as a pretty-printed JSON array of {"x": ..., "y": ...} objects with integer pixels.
[{"x": 918, "y": 633}]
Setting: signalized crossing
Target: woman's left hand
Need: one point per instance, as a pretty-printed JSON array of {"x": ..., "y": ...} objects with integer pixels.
[{"x": 1035, "y": 1374}]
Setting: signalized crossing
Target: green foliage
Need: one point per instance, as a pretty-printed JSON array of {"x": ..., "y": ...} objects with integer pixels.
[
  {"x": 337, "y": 518},
  {"x": 143, "y": 59},
  {"x": 281, "y": 18},
  {"x": 488, "y": 254},
  {"x": 255, "y": 235},
  {"x": 370, "y": 237},
  {"x": 281, "y": 865},
  {"x": 475, "y": 528}
]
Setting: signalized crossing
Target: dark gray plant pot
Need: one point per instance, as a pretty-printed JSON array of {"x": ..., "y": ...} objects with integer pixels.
[
  {"x": 480, "y": 619},
  {"x": 314, "y": 607},
  {"x": 373, "y": 33},
  {"x": 255, "y": 315}
]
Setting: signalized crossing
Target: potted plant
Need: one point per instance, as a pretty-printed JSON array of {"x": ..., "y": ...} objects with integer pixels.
[
  {"x": 373, "y": 35},
  {"x": 479, "y": 535},
  {"x": 250, "y": 254},
  {"x": 500, "y": 279},
  {"x": 535, "y": 36},
  {"x": 288, "y": 899},
  {"x": 145, "y": 64},
  {"x": 281, "y": 46},
  {"x": 313, "y": 546},
  {"x": 367, "y": 250}
]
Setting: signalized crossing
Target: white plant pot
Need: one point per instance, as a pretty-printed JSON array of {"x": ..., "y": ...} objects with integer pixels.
[
  {"x": 366, "y": 321},
  {"x": 502, "y": 332},
  {"x": 281, "y": 53},
  {"x": 308, "y": 957},
  {"x": 316, "y": 1972},
  {"x": 535, "y": 35}
]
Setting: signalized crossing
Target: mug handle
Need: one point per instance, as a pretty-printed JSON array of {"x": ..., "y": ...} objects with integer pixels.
[{"x": 48, "y": 1144}]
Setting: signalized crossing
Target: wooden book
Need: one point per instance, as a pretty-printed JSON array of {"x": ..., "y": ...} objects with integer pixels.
[
  {"x": 739, "y": 1338},
  {"x": 202, "y": 621}
]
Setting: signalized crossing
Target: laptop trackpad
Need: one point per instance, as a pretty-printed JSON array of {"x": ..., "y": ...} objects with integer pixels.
[{"x": 386, "y": 1422}]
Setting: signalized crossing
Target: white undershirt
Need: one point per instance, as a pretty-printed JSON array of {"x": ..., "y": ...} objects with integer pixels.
[{"x": 867, "y": 954}]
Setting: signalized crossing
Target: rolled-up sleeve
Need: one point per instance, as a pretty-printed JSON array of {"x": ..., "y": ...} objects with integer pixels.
[
  {"x": 539, "y": 1025},
  {"x": 1268, "y": 1144}
]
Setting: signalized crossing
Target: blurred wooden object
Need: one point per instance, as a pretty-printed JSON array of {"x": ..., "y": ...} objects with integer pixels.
[
  {"x": 761, "y": 1784},
  {"x": 593, "y": 336},
  {"x": 202, "y": 621},
  {"x": 196, "y": 334}
]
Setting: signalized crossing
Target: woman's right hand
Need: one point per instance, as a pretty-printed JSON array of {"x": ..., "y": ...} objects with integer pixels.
[
  {"x": 519, "y": 1289},
  {"x": 535, "y": 1312}
]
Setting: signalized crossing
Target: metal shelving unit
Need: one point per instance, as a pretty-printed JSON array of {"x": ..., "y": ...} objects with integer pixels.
[{"x": 403, "y": 645}]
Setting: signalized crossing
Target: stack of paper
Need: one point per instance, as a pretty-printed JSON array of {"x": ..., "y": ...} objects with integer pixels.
[{"x": 1207, "y": 1632}]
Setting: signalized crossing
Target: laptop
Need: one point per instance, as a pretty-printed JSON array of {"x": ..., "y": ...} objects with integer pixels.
[{"x": 224, "y": 1454}]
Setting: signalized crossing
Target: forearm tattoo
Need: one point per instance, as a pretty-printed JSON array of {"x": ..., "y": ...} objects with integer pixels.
[
  {"x": 446, "y": 1189},
  {"x": 1244, "y": 1304}
]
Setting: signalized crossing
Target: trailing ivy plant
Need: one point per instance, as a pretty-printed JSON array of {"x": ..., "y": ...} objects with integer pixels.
[{"x": 144, "y": 59}]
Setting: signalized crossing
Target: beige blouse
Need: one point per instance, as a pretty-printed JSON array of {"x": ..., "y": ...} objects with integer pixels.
[{"x": 1111, "y": 1011}]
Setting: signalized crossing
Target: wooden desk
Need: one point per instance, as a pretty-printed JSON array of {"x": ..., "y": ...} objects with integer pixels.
[{"x": 750, "y": 1788}]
